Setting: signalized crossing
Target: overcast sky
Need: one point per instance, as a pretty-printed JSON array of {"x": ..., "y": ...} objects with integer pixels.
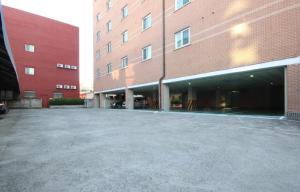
[{"x": 74, "y": 12}]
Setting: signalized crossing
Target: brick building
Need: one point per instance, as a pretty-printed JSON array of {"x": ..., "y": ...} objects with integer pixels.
[
  {"x": 46, "y": 55},
  {"x": 236, "y": 56}
]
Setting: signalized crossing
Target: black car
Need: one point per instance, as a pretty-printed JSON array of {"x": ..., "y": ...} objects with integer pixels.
[
  {"x": 118, "y": 105},
  {"x": 3, "y": 107}
]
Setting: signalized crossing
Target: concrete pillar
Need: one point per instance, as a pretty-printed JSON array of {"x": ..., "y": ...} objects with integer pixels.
[
  {"x": 97, "y": 101},
  {"x": 192, "y": 94},
  {"x": 104, "y": 102},
  {"x": 165, "y": 98},
  {"x": 129, "y": 99}
]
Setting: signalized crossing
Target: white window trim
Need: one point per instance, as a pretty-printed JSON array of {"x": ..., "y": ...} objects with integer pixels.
[
  {"x": 109, "y": 47},
  {"x": 143, "y": 21},
  {"x": 149, "y": 46},
  {"x": 109, "y": 26},
  {"x": 29, "y": 50},
  {"x": 122, "y": 10},
  {"x": 123, "y": 35},
  {"x": 29, "y": 70},
  {"x": 109, "y": 72},
  {"x": 177, "y": 8},
  {"x": 97, "y": 17},
  {"x": 122, "y": 63},
  {"x": 181, "y": 31}
]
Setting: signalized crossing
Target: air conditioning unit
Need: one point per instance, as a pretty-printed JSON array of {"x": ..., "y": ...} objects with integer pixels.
[
  {"x": 60, "y": 65},
  {"x": 66, "y": 86},
  {"x": 67, "y": 66},
  {"x": 74, "y": 67},
  {"x": 59, "y": 86},
  {"x": 73, "y": 87}
]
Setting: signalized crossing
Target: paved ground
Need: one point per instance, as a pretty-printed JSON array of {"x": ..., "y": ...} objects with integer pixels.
[{"x": 89, "y": 150}]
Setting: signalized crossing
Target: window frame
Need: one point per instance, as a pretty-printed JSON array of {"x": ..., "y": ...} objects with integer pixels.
[
  {"x": 109, "y": 26},
  {"x": 29, "y": 70},
  {"x": 183, "y": 5},
  {"x": 109, "y": 47},
  {"x": 98, "y": 17},
  {"x": 98, "y": 36},
  {"x": 109, "y": 4},
  {"x": 123, "y": 11},
  {"x": 27, "y": 48},
  {"x": 181, "y": 32},
  {"x": 98, "y": 55},
  {"x": 123, "y": 66},
  {"x": 125, "y": 40},
  {"x": 109, "y": 68},
  {"x": 143, "y": 22},
  {"x": 145, "y": 48}
]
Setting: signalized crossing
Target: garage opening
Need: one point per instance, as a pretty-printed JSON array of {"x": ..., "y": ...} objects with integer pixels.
[
  {"x": 146, "y": 98},
  {"x": 256, "y": 92}
]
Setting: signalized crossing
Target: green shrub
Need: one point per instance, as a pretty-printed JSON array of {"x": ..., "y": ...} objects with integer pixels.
[{"x": 64, "y": 101}]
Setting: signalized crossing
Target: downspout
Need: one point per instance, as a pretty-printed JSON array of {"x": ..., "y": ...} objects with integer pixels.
[{"x": 163, "y": 54}]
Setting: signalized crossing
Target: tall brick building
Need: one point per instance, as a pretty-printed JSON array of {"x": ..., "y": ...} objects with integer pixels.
[
  {"x": 237, "y": 56},
  {"x": 46, "y": 55}
]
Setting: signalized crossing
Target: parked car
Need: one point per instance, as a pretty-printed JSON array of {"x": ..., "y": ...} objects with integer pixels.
[
  {"x": 3, "y": 107},
  {"x": 118, "y": 105}
]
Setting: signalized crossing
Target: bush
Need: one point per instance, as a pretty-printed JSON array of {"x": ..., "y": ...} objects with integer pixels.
[{"x": 66, "y": 102}]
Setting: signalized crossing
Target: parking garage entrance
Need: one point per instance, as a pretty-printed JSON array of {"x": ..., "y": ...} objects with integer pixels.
[
  {"x": 255, "y": 92},
  {"x": 146, "y": 98}
]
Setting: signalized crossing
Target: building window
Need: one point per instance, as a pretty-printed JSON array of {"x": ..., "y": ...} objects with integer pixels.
[
  {"x": 109, "y": 47},
  {"x": 98, "y": 55},
  {"x": 29, "y": 48},
  {"x": 147, "y": 22},
  {"x": 124, "y": 62},
  {"x": 66, "y": 86},
  {"x": 147, "y": 53},
  {"x": 98, "y": 73},
  {"x": 109, "y": 4},
  {"x": 108, "y": 26},
  {"x": 58, "y": 95},
  {"x": 182, "y": 38},
  {"x": 180, "y": 3},
  {"x": 29, "y": 94},
  {"x": 125, "y": 11},
  {"x": 29, "y": 70},
  {"x": 98, "y": 17},
  {"x": 125, "y": 36},
  {"x": 98, "y": 36},
  {"x": 109, "y": 68}
]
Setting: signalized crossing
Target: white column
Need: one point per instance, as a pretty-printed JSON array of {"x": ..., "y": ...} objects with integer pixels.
[
  {"x": 165, "y": 98},
  {"x": 97, "y": 101},
  {"x": 104, "y": 102},
  {"x": 129, "y": 99}
]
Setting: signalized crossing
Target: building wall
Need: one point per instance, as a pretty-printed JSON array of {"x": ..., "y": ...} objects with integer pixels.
[
  {"x": 138, "y": 72},
  {"x": 54, "y": 42},
  {"x": 293, "y": 92}
]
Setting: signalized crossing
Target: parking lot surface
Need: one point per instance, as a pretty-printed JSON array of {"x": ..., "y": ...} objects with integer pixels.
[{"x": 93, "y": 150}]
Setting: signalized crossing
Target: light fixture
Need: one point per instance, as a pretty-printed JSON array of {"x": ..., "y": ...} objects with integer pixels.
[
  {"x": 190, "y": 83},
  {"x": 252, "y": 76}
]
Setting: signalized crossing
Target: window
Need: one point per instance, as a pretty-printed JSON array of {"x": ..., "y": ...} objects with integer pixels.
[
  {"x": 109, "y": 4},
  {"x": 29, "y": 48},
  {"x": 125, "y": 11},
  {"x": 67, "y": 66},
  {"x": 125, "y": 36},
  {"x": 180, "y": 3},
  {"x": 98, "y": 17},
  {"x": 98, "y": 55},
  {"x": 109, "y": 47},
  {"x": 66, "y": 86},
  {"x": 147, "y": 53},
  {"x": 147, "y": 22},
  {"x": 98, "y": 73},
  {"x": 59, "y": 86},
  {"x": 74, "y": 87},
  {"x": 98, "y": 36},
  {"x": 108, "y": 26},
  {"x": 29, "y": 94},
  {"x": 182, "y": 38},
  {"x": 58, "y": 95},
  {"x": 109, "y": 68},
  {"x": 29, "y": 70},
  {"x": 124, "y": 62}
]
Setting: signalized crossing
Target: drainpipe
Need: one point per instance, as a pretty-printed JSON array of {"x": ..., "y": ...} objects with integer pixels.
[{"x": 163, "y": 54}]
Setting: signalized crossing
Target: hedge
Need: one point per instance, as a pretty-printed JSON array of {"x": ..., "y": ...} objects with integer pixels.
[{"x": 66, "y": 102}]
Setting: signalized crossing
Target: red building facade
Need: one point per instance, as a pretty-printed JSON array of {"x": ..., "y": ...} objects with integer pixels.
[{"x": 46, "y": 53}]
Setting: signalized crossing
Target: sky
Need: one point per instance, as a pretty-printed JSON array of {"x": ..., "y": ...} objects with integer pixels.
[{"x": 74, "y": 12}]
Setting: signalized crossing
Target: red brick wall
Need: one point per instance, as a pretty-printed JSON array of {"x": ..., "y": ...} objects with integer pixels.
[
  {"x": 293, "y": 91},
  {"x": 55, "y": 42}
]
